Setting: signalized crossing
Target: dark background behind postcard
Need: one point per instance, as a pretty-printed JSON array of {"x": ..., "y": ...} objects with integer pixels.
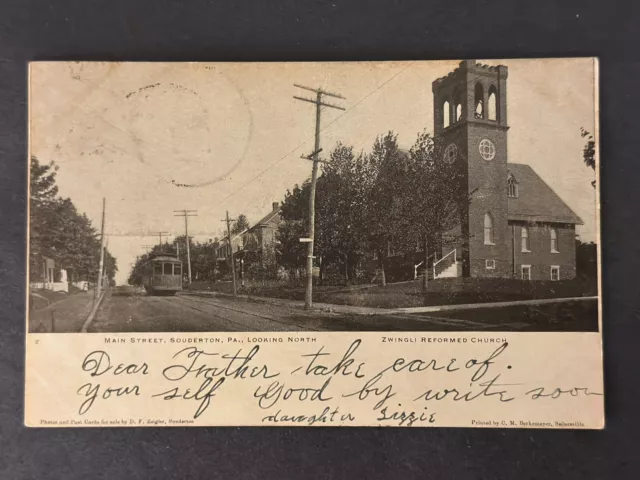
[{"x": 335, "y": 30}]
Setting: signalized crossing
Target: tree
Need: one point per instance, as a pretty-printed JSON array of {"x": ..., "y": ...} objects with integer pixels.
[
  {"x": 341, "y": 229},
  {"x": 434, "y": 198},
  {"x": 135, "y": 276},
  {"x": 384, "y": 180},
  {"x": 110, "y": 267},
  {"x": 292, "y": 253},
  {"x": 586, "y": 260},
  {"x": 59, "y": 231},
  {"x": 42, "y": 196},
  {"x": 589, "y": 151},
  {"x": 240, "y": 224},
  {"x": 203, "y": 256},
  {"x": 366, "y": 203}
]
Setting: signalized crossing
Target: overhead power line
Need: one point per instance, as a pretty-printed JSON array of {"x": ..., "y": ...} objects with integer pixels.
[{"x": 270, "y": 166}]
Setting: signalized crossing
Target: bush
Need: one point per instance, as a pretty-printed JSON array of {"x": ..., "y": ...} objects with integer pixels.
[{"x": 262, "y": 271}]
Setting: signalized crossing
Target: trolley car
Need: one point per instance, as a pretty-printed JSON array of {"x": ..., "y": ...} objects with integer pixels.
[{"x": 162, "y": 275}]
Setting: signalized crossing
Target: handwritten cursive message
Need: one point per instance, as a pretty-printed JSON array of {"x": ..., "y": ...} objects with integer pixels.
[{"x": 319, "y": 385}]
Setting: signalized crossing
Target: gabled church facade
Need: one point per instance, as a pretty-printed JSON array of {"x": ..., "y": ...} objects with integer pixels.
[{"x": 515, "y": 225}]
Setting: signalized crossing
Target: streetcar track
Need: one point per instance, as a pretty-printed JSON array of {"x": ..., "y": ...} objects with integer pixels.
[
  {"x": 186, "y": 300},
  {"x": 208, "y": 313}
]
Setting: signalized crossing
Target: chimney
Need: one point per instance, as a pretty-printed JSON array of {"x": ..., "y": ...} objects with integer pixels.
[{"x": 276, "y": 206}]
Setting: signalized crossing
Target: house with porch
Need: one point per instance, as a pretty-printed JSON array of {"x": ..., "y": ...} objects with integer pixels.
[
  {"x": 260, "y": 240},
  {"x": 51, "y": 277}
]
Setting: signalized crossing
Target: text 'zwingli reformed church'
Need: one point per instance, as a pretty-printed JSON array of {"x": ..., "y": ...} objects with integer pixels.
[{"x": 515, "y": 225}]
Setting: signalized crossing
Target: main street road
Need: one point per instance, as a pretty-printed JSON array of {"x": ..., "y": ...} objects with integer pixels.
[{"x": 128, "y": 309}]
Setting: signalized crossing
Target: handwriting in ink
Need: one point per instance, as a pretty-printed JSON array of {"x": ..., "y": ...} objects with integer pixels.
[
  {"x": 276, "y": 391},
  {"x": 483, "y": 366},
  {"x": 342, "y": 367},
  {"x": 98, "y": 363},
  {"x": 540, "y": 392},
  {"x": 386, "y": 392},
  {"x": 92, "y": 392},
  {"x": 457, "y": 395},
  {"x": 327, "y": 416},
  {"x": 405, "y": 418},
  {"x": 204, "y": 394},
  {"x": 234, "y": 366}
]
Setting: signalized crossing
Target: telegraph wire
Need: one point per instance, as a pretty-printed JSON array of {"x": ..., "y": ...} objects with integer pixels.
[{"x": 312, "y": 136}]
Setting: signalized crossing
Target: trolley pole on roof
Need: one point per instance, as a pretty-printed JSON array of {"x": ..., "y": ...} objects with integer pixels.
[
  {"x": 314, "y": 157},
  {"x": 186, "y": 214},
  {"x": 160, "y": 234},
  {"x": 233, "y": 264}
]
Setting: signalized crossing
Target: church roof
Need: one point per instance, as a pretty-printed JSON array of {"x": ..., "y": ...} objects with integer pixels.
[{"x": 536, "y": 201}]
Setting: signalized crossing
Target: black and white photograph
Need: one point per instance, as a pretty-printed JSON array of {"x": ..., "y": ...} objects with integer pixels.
[{"x": 443, "y": 196}]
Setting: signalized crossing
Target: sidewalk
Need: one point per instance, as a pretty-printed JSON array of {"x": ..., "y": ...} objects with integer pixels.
[
  {"x": 64, "y": 316},
  {"x": 350, "y": 309},
  {"x": 514, "y": 303}
]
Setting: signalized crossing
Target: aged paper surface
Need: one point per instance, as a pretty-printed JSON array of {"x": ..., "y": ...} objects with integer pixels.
[{"x": 314, "y": 244}]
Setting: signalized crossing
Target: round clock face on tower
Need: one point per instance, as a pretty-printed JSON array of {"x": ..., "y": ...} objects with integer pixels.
[
  {"x": 487, "y": 149},
  {"x": 450, "y": 153}
]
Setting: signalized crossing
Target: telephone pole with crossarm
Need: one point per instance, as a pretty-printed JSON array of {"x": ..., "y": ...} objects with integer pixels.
[
  {"x": 186, "y": 214},
  {"x": 314, "y": 157},
  {"x": 227, "y": 220}
]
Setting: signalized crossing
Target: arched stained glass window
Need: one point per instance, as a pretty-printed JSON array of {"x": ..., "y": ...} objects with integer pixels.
[
  {"x": 524, "y": 237},
  {"x": 553, "y": 234},
  {"x": 512, "y": 187},
  {"x": 488, "y": 229}
]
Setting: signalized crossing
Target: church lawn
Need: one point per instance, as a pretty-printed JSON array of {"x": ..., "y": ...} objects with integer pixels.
[
  {"x": 410, "y": 294},
  {"x": 576, "y": 316}
]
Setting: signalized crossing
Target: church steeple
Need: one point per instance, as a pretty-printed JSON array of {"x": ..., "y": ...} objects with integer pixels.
[
  {"x": 472, "y": 92},
  {"x": 470, "y": 121}
]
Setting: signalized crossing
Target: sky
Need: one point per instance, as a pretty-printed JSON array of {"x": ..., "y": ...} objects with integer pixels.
[{"x": 157, "y": 137}]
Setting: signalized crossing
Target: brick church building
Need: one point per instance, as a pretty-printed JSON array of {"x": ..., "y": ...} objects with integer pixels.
[{"x": 516, "y": 226}]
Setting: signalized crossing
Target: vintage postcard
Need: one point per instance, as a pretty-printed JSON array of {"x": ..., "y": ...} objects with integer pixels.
[{"x": 314, "y": 244}]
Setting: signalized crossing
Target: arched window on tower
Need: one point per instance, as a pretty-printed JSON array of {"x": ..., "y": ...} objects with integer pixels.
[
  {"x": 512, "y": 187},
  {"x": 479, "y": 101},
  {"x": 457, "y": 109},
  {"x": 492, "y": 104},
  {"x": 446, "y": 114},
  {"x": 488, "y": 229}
]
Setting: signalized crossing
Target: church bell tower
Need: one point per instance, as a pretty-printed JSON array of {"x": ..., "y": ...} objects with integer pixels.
[{"x": 470, "y": 122}]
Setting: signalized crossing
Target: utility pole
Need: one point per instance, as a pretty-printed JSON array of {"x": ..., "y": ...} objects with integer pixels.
[
  {"x": 101, "y": 265},
  {"x": 233, "y": 264},
  {"x": 186, "y": 214},
  {"x": 160, "y": 234},
  {"x": 314, "y": 157}
]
